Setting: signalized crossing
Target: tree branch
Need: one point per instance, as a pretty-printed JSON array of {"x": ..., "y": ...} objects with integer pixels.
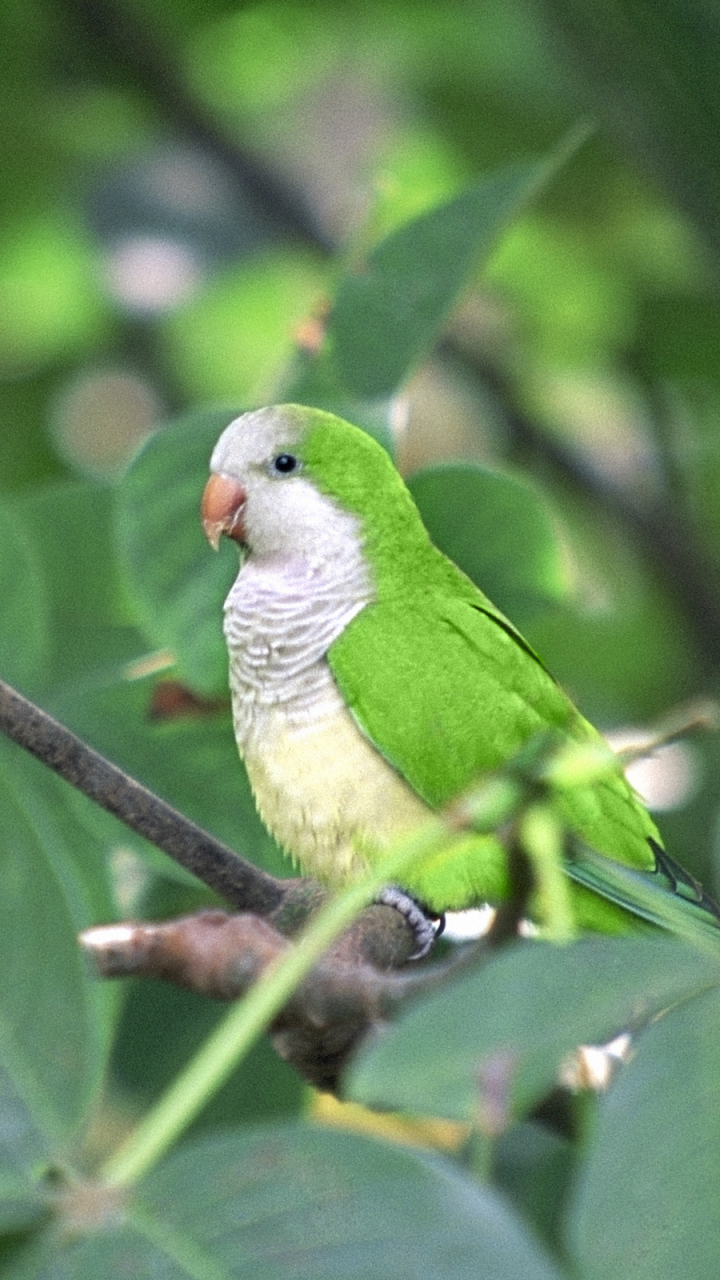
[
  {"x": 241, "y": 883},
  {"x": 220, "y": 956},
  {"x": 382, "y": 937}
]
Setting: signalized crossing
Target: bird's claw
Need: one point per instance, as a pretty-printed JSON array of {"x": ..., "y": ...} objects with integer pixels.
[{"x": 425, "y": 927}]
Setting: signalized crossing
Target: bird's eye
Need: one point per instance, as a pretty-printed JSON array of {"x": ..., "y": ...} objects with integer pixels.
[{"x": 285, "y": 463}]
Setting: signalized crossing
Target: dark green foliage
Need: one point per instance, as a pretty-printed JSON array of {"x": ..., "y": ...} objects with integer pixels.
[
  {"x": 508, "y": 1010},
  {"x": 586, "y": 359}
]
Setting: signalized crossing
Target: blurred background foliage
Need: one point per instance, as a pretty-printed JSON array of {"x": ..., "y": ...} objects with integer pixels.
[{"x": 185, "y": 188}]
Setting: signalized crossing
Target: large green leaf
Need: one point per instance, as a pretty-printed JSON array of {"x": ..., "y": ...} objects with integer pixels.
[
  {"x": 534, "y": 1165},
  {"x": 647, "y": 1206},
  {"x": 65, "y": 823},
  {"x": 24, "y": 1153},
  {"x": 392, "y": 305},
  {"x": 497, "y": 529},
  {"x": 177, "y": 584},
  {"x": 52, "y": 1024},
  {"x": 518, "y": 1017},
  {"x": 23, "y": 617},
  {"x": 68, "y": 529},
  {"x": 191, "y": 761},
  {"x": 298, "y": 1203}
]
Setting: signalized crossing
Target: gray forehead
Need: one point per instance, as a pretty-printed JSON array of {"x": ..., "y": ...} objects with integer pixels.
[{"x": 255, "y": 437}]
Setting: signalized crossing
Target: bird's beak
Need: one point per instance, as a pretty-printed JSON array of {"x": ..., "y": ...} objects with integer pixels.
[{"x": 222, "y": 508}]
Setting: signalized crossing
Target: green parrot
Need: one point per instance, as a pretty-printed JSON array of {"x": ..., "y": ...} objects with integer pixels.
[{"x": 372, "y": 681}]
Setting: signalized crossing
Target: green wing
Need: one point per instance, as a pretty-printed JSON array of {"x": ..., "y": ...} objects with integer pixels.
[{"x": 446, "y": 689}]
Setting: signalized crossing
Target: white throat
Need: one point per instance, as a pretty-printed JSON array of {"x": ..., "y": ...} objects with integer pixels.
[{"x": 281, "y": 616}]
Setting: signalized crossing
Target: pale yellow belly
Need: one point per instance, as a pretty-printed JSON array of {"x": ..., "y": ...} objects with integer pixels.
[{"x": 328, "y": 797}]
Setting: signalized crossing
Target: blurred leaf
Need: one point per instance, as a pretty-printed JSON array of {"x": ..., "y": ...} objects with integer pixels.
[
  {"x": 393, "y": 304},
  {"x": 577, "y": 309},
  {"x": 497, "y": 529},
  {"x": 620, "y": 645},
  {"x": 260, "y": 56},
  {"x": 51, "y": 1028},
  {"x": 176, "y": 583},
  {"x": 21, "y": 1204},
  {"x": 522, "y": 1014},
  {"x": 533, "y": 1166},
  {"x": 24, "y": 616},
  {"x": 26, "y": 454},
  {"x": 653, "y": 1165},
  {"x": 652, "y": 72},
  {"x": 163, "y": 1026},
  {"x": 308, "y": 1204},
  {"x": 191, "y": 761},
  {"x": 24, "y": 1152},
  {"x": 229, "y": 343},
  {"x": 50, "y": 304},
  {"x": 68, "y": 526}
]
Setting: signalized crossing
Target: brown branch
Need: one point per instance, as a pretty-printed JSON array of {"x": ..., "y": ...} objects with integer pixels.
[
  {"x": 382, "y": 934},
  {"x": 220, "y": 956},
  {"x": 354, "y": 989},
  {"x": 241, "y": 883}
]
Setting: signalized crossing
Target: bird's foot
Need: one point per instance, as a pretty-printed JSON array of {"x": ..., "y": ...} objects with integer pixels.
[{"x": 425, "y": 925}]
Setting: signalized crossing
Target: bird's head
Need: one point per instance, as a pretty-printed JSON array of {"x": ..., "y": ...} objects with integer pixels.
[
  {"x": 296, "y": 481},
  {"x": 263, "y": 491},
  {"x": 293, "y": 481}
]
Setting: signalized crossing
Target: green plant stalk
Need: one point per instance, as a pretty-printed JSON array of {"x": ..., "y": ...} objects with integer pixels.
[
  {"x": 541, "y": 837},
  {"x": 250, "y": 1017},
  {"x": 484, "y": 808}
]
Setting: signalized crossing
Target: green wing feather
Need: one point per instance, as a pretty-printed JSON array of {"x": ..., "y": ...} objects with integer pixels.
[{"x": 446, "y": 689}]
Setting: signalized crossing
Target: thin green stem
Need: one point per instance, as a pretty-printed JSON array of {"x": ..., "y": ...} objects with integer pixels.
[{"x": 248, "y": 1019}]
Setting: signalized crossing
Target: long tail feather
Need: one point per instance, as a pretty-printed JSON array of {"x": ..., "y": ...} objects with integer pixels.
[{"x": 667, "y": 896}]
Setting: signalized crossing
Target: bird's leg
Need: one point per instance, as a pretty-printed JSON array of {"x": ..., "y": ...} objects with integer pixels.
[{"x": 425, "y": 924}]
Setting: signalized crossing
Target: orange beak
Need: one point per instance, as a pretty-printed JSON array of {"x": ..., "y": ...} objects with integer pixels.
[{"x": 222, "y": 507}]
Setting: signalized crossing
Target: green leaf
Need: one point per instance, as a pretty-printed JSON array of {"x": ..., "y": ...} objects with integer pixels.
[
  {"x": 299, "y": 1203},
  {"x": 497, "y": 529},
  {"x": 647, "y": 1207},
  {"x": 24, "y": 1152},
  {"x": 176, "y": 583},
  {"x": 51, "y": 305},
  {"x": 65, "y": 824},
  {"x": 191, "y": 761},
  {"x": 24, "y": 615},
  {"x": 52, "y": 1024},
  {"x": 533, "y": 1166},
  {"x": 517, "y": 1018},
  {"x": 146, "y": 1061},
  {"x": 68, "y": 527},
  {"x": 391, "y": 307}
]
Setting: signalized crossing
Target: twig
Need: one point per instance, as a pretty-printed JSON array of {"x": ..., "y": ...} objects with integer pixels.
[
  {"x": 241, "y": 883},
  {"x": 221, "y": 956},
  {"x": 381, "y": 936}
]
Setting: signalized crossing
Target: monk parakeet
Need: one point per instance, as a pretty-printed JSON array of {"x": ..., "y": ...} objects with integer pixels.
[{"x": 372, "y": 681}]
